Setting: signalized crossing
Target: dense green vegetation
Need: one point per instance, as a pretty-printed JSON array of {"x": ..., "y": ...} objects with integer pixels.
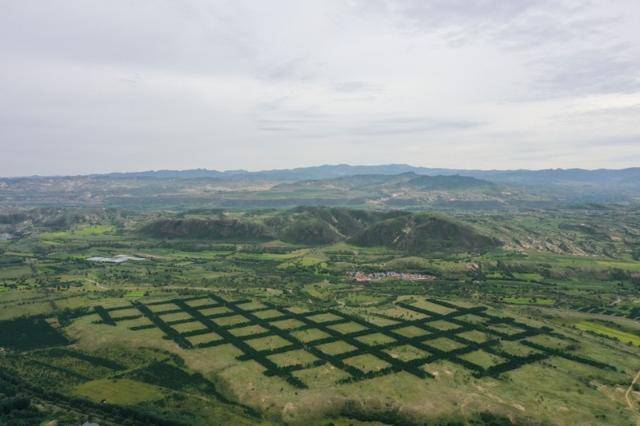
[
  {"x": 424, "y": 233},
  {"x": 417, "y": 233},
  {"x": 214, "y": 229}
]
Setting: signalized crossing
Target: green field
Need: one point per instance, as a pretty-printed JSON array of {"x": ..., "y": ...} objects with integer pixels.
[
  {"x": 118, "y": 391},
  {"x": 603, "y": 330},
  {"x": 528, "y": 301}
]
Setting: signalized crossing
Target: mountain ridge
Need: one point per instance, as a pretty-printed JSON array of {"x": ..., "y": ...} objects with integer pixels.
[{"x": 337, "y": 170}]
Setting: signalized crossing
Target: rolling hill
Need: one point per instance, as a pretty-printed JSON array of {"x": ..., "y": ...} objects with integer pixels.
[{"x": 416, "y": 233}]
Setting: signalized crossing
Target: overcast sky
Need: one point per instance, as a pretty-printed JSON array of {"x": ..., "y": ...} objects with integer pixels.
[{"x": 116, "y": 85}]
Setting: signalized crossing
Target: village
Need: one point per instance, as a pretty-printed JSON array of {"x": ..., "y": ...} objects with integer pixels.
[{"x": 363, "y": 277}]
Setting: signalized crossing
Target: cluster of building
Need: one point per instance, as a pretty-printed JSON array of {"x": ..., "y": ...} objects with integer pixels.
[
  {"x": 362, "y": 277},
  {"x": 120, "y": 258}
]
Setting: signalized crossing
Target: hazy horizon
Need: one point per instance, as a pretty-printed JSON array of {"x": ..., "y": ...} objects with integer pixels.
[
  {"x": 97, "y": 87},
  {"x": 133, "y": 171}
]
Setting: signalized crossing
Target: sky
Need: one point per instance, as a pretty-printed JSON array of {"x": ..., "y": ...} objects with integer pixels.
[{"x": 89, "y": 86}]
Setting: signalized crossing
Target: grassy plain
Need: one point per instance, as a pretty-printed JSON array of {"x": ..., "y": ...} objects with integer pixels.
[{"x": 603, "y": 330}]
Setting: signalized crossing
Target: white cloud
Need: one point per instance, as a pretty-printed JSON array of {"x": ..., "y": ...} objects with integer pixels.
[{"x": 106, "y": 86}]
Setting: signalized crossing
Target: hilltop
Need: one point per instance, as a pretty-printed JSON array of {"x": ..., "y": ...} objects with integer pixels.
[{"x": 421, "y": 233}]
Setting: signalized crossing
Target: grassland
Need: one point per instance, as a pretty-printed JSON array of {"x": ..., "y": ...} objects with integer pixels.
[
  {"x": 118, "y": 391},
  {"x": 528, "y": 301},
  {"x": 603, "y": 330}
]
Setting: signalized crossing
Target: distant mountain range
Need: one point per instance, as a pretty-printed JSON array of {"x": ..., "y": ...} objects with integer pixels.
[
  {"x": 382, "y": 186},
  {"x": 342, "y": 170},
  {"x": 521, "y": 176}
]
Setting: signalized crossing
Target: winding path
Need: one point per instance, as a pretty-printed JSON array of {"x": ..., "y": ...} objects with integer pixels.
[{"x": 627, "y": 394}]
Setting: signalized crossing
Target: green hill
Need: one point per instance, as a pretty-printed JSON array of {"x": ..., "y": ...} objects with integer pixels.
[
  {"x": 203, "y": 228},
  {"x": 314, "y": 226},
  {"x": 424, "y": 233},
  {"x": 323, "y": 225}
]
